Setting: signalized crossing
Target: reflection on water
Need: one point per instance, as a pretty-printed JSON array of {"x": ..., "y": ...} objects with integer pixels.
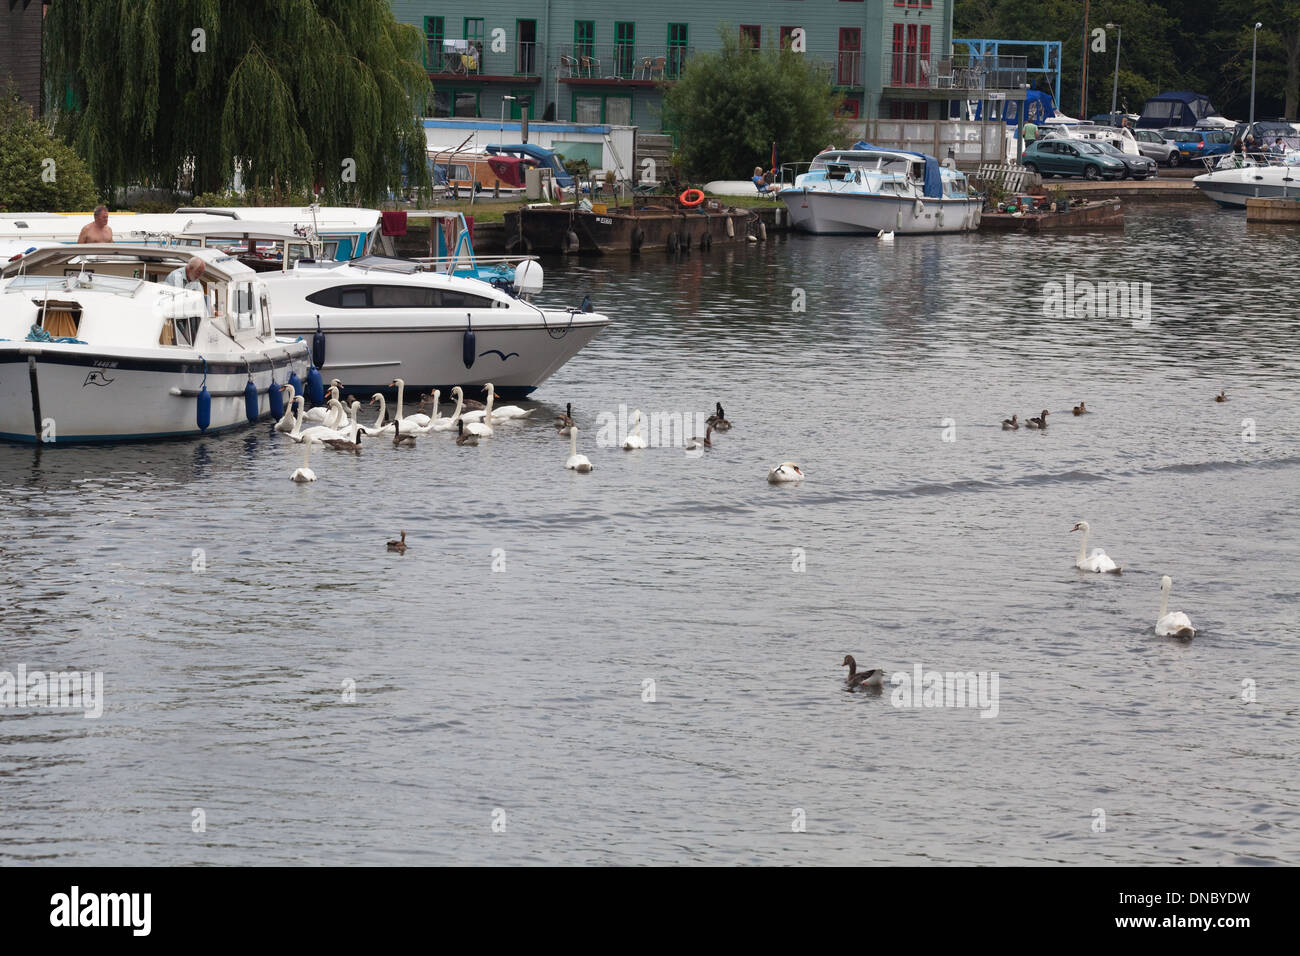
[{"x": 230, "y": 609}]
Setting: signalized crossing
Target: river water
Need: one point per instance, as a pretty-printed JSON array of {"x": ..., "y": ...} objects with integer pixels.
[{"x": 646, "y": 677}]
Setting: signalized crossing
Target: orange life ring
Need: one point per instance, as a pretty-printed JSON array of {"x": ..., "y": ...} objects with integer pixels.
[{"x": 691, "y": 203}]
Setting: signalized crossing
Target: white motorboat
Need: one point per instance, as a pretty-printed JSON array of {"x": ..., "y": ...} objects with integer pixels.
[
  {"x": 384, "y": 319},
  {"x": 870, "y": 190},
  {"x": 94, "y": 346},
  {"x": 1232, "y": 180}
]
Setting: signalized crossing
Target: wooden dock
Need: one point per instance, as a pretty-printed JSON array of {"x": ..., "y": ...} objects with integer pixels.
[
  {"x": 1276, "y": 211},
  {"x": 1180, "y": 189}
]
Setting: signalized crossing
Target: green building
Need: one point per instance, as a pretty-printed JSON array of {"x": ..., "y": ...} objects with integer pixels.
[{"x": 587, "y": 63}]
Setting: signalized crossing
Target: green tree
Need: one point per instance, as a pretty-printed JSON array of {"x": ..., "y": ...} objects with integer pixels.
[
  {"x": 286, "y": 94},
  {"x": 731, "y": 104},
  {"x": 37, "y": 172}
]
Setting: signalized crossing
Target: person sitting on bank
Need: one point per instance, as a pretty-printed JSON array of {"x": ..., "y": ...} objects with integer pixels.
[
  {"x": 761, "y": 184},
  {"x": 96, "y": 230}
]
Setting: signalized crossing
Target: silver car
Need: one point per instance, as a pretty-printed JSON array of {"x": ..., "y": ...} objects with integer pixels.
[{"x": 1156, "y": 148}]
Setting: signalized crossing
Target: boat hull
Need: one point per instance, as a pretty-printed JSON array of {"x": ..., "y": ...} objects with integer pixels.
[
  {"x": 515, "y": 358},
  {"x": 869, "y": 214},
  {"x": 1232, "y": 187},
  {"x": 57, "y": 394}
]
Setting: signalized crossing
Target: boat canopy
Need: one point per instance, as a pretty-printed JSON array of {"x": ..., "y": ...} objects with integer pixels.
[
  {"x": 1179, "y": 108},
  {"x": 933, "y": 178}
]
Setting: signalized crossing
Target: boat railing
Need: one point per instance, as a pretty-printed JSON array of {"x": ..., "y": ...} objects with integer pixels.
[
  {"x": 449, "y": 264},
  {"x": 1222, "y": 161}
]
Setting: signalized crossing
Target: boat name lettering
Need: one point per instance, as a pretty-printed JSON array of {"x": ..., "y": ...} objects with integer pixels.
[
  {"x": 100, "y": 363},
  {"x": 604, "y": 221}
]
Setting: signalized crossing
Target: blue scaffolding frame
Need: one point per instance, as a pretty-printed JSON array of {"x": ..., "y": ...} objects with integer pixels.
[{"x": 1049, "y": 50}]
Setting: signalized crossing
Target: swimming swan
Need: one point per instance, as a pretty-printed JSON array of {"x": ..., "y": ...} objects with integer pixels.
[
  {"x": 786, "y": 471},
  {"x": 1173, "y": 623},
  {"x": 1098, "y": 560},
  {"x": 576, "y": 462},
  {"x": 634, "y": 439},
  {"x": 304, "y": 473}
]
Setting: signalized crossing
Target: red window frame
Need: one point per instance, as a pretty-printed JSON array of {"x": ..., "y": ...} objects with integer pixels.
[
  {"x": 847, "y": 65},
  {"x": 754, "y": 32},
  {"x": 785, "y": 37},
  {"x": 849, "y": 109},
  {"x": 897, "y": 60}
]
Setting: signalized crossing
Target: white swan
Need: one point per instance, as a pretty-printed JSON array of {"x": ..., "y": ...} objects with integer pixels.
[
  {"x": 409, "y": 422},
  {"x": 1098, "y": 560},
  {"x": 576, "y": 462},
  {"x": 285, "y": 424},
  {"x": 886, "y": 237},
  {"x": 786, "y": 471},
  {"x": 379, "y": 427},
  {"x": 1173, "y": 623},
  {"x": 320, "y": 415},
  {"x": 482, "y": 429},
  {"x": 448, "y": 424},
  {"x": 316, "y": 433},
  {"x": 634, "y": 439},
  {"x": 304, "y": 473},
  {"x": 421, "y": 420},
  {"x": 500, "y": 414}
]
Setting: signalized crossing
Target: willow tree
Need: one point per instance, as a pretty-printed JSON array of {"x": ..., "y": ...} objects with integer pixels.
[{"x": 287, "y": 95}]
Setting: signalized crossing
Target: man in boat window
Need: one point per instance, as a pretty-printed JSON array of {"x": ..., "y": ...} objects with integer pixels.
[
  {"x": 187, "y": 276},
  {"x": 97, "y": 230}
]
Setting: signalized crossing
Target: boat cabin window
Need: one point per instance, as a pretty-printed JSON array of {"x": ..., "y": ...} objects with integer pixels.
[
  {"x": 264, "y": 306},
  {"x": 397, "y": 297},
  {"x": 242, "y": 294},
  {"x": 61, "y": 319},
  {"x": 837, "y": 170}
]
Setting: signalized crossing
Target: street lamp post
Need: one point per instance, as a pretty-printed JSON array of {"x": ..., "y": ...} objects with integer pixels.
[
  {"x": 503, "y": 115},
  {"x": 1253, "y": 48},
  {"x": 1114, "y": 90}
]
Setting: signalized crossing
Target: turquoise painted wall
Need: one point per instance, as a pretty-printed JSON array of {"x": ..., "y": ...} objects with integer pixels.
[{"x": 555, "y": 20}]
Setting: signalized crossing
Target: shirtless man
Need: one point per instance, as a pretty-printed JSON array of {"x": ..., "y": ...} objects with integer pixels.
[{"x": 97, "y": 231}]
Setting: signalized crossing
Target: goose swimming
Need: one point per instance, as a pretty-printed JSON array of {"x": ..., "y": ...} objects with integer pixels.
[
  {"x": 1010, "y": 424},
  {"x": 398, "y": 546},
  {"x": 463, "y": 439},
  {"x": 871, "y": 678},
  {"x": 1039, "y": 421},
  {"x": 1081, "y": 409}
]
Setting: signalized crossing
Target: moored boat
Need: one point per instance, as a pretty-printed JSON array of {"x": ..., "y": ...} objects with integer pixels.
[
  {"x": 386, "y": 319},
  {"x": 868, "y": 190},
  {"x": 96, "y": 346}
]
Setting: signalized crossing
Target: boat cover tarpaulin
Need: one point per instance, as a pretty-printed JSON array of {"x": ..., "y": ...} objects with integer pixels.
[{"x": 933, "y": 180}]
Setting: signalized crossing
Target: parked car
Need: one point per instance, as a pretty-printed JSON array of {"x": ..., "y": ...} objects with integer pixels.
[
  {"x": 1197, "y": 143},
  {"x": 1155, "y": 147},
  {"x": 1072, "y": 157},
  {"x": 1136, "y": 167}
]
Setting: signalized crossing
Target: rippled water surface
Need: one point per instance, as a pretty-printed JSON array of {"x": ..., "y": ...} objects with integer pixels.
[{"x": 516, "y": 696}]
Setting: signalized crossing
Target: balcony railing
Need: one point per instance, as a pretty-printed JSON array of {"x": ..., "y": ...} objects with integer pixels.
[
  {"x": 472, "y": 58},
  {"x": 966, "y": 73},
  {"x": 622, "y": 62}
]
